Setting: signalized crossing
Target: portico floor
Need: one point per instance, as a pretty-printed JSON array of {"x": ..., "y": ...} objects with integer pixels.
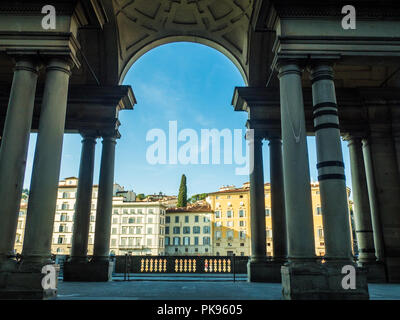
[{"x": 191, "y": 290}]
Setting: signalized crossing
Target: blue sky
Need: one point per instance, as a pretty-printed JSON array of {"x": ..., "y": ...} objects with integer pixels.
[{"x": 184, "y": 82}]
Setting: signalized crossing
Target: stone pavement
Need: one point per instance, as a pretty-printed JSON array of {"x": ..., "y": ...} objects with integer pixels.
[{"x": 192, "y": 290}]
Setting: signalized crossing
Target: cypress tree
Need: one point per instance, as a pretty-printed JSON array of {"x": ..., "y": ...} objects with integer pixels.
[{"x": 182, "y": 196}]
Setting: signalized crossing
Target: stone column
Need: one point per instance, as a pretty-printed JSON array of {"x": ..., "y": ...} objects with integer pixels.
[
  {"x": 13, "y": 152},
  {"x": 277, "y": 201},
  {"x": 299, "y": 218},
  {"x": 387, "y": 184},
  {"x": 102, "y": 266},
  {"x": 302, "y": 276},
  {"x": 46, "y": 167},
  {"x": 330, "y": 165},
  {"x": 80, "y": 236},
  {"x": 373, "y": 202},
  {"x": 257, "y": 262},
  {"x": 362, "y": 214}
]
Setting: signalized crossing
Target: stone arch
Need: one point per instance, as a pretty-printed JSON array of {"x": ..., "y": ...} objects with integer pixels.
[{"x": 221, "y": 24}]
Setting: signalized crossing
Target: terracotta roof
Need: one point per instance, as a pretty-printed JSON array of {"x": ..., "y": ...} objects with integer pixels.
[{"x": 191, "y": 208}]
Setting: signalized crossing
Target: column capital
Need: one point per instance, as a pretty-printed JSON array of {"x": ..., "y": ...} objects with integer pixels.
[
  {"x": 59, "y": 64},
  {"x": 89, "y": 135},
  {"x": 321, "y": 71}
]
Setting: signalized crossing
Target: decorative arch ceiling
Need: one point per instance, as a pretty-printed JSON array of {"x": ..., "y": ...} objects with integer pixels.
[{"x": 221, "y": 24}]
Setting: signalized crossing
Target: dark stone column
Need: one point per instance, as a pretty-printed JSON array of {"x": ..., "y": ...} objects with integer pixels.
[
  {"x": 13, "y": 153},
  {"x": 258, "y": 260}
]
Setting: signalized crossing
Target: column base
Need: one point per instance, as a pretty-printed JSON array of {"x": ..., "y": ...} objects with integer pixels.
[
  {"x": 94, "y": 271},
  {"x": 375, "y": 271},
  {"x": 314, "y": 281},
  {"x": 26, "y": 285},
  {"x": 264, "y": 271}
]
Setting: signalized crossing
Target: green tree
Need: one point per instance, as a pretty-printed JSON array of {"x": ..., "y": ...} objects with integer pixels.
[
  {"x": 141, "y": 196},
  {"x": 198, "y": 197},
  {"x": 182, "y": 196}
]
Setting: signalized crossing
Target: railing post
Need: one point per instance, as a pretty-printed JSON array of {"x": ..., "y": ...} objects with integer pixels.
[
  {"x": 233, "y": 268},
  {"x": 126, "y": 265}
]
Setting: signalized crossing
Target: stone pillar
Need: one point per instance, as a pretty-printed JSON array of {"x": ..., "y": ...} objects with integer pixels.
[
  {"x": 36, "y": 253},
  {"x": 102, "y": 266},
  {"x": 46, "y": 165},
  {"x": 13, "y": 153},
  {"x": 83, "y": 200},
  {"x": 373, "y": 202},
  {"x": 298, "y": 206},
  {"x": 78, "y": 268},
  {"x": 258, "y": 259},
  {"x": 330, "y": 166},
  {"x": 277, "y": 201},
  {"x": 387, "y": 191},
  {"x": 362, "y": 214},
  {"x": 303, "y": 277}
]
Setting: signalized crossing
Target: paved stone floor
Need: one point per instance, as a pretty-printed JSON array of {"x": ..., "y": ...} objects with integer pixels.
[{"x": 192, "y": 290}]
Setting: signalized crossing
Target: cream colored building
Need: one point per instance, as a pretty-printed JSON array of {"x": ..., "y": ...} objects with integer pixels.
[
  {"x": 189, "y": 231},
  {"x": 128, "y": 219}
]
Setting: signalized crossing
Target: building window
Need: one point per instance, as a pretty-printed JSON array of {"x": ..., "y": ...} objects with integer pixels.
[
  {"x": 242, "y": 234},
  {"x": 149, "y": 242},
  {"x": 206, "y": 241},
  {"x": 63, "y": 217},
  {"x": 319, "y": 211},
  {"x": 218, "y": 235},
  {"x": 196, "y": 218},
  {"x": 114, "y": 231},
  {"x": 131, "y": 220},
  {"x": 167, "y": 219},
  {"x": 124, "y": 220},
  {"x": 206, "y": 229},
  {"x": 229, "y": 224},
  {"x": 166, "y": 230},
  {"x": 186, "y": 219},
  {"x": 167, "y": 241},
  {"x": 217, "y": 214},
  {"x": 267, "y": 212},
  {"x": 196, "y": 241},
  {"x": 186, "y": 241},
  {"x": 113, "y": 242},
  {"x": 115, "y": 220},
  {"x": 150, "y": 220},
  {"x": 149, "y": 230},
  {"x": 242, "y": 223},
  {"x": 241, "y": 213},
  {"x": 218, "y": 224},
  {"x": 64, "y": 206},
  {"x": 176, "y": 219},
  {"x": 177, "y": 230},
  {"x": 61, "y": 240},
  {"x": 229, "y": 234},
  {"x": 320, "y": 233},
  {"x": 124, "y": 230},
  {"x": 92, "y": 218},
  {"x": 177, "y": 241},
  {"x": 65, "y": 195},
  {"x": 229, "y": 214},
  {"x": 196, "y": 230},
  {"x": 269, "y": 234},
  {"x": 138, "y": 220},
  {"x": 186, "y": 230}
]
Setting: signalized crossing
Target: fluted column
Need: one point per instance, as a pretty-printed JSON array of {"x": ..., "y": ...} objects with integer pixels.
[
  {"x": 80, "y": 236},
  {"x": 330, "y": 165},
  {"x": 257, "y": 200},
  {"x": 101, "y": 249},
  {"x": 46, "y": 165},
  {"x": 14, "y": 148},
  {"x": 299, "y": 219},
  {"x": 362, "y": 212},
  {"x": 277, "y": 200}
]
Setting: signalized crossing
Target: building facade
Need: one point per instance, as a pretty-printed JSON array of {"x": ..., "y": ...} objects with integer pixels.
[
  {"x": 137, "y": 227},
  {"x": 231, "y": 220},
  {"x": 188, "y": 231}
]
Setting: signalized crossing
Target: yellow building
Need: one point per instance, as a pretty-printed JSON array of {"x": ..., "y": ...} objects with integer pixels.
[{"x": 231, "y": 220}]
